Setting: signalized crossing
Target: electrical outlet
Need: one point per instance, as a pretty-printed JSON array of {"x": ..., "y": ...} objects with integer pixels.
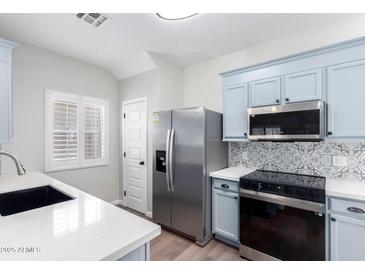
[{"x": 339, "y": 161}]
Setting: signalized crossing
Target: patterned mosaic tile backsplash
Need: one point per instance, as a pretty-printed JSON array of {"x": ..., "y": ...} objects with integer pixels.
[{"x": 315, "y": 158}]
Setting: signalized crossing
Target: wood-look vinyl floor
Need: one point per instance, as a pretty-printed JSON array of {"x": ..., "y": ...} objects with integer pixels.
[{"x": 170, "y": 246}]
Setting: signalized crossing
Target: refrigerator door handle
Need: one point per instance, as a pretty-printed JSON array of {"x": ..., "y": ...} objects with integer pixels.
[
  {"x": 168, "y": 160},
  {"x": 171, "y": 159}
]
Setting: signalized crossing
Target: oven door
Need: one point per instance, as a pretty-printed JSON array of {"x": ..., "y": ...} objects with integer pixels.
[{"x": 280, "y": 231}]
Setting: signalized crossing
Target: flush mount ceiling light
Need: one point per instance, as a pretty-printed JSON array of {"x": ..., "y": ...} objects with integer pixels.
[{"x": 175, "y": 15}]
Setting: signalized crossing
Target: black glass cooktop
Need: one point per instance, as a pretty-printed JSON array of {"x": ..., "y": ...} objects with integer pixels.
[{"x": 305, "y": 187}]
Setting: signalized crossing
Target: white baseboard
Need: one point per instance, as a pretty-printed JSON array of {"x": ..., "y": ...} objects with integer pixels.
[
  {"x": 116, "y": 202},
  {"x": 149, "y": 214}
]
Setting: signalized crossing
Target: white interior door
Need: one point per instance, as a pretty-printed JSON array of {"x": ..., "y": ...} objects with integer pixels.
[{"x": 134, "y": 154}]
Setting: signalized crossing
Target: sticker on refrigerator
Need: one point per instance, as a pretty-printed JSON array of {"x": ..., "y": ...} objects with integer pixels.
[{"x": 155, "y": 118}]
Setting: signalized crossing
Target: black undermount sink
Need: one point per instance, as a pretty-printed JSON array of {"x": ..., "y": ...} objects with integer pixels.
[{"x": 28, "y": 199}]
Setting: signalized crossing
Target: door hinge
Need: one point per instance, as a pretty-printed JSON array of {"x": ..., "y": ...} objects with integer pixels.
[
  {"x": 124, "y": 154},
  {"x": 125, "y": 193},
  {"x": 124, "y": 115}
]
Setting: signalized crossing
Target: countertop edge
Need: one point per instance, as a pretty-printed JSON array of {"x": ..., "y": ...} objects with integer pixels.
[
  {"x": 234, "y": 179},
  {"x": 133, "y": 246},
  {"x": 341, "y": 195},
  {"x": 232, "y": 173}
]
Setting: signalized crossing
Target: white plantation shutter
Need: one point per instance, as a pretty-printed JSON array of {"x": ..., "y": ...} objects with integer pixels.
[
  {"x": 65, "y": 131},
  {"x": 94, "y": 134},
  {"x": 76, "y": 131}
]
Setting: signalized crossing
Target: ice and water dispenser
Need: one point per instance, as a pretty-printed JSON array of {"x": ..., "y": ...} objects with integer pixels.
[{"x": 161, "y": 161}]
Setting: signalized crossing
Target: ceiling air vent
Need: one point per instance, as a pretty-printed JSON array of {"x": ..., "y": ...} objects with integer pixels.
[{"x": 95, "y": 19}]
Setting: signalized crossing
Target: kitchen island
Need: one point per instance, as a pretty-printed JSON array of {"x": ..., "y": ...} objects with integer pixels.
[{"x": 84, "y": 228}]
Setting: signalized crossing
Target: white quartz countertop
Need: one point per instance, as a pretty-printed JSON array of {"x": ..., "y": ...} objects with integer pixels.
[
  {"x": 351, "y": 189},
  {"x": 86, "y": 228},
  {"x": 231, "y": 173}
]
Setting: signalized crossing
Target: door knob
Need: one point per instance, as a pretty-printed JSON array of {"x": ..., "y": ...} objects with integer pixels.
[{"x": 141, "y": 163}]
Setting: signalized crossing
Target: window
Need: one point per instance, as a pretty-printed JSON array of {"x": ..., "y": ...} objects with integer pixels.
[{"x": 76, "y": 131}]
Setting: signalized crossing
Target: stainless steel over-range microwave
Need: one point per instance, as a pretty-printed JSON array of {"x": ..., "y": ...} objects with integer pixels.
[{"x": 296, "y": 121}]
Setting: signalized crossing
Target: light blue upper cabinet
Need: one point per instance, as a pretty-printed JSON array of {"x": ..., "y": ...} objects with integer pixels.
[
  {"x": 235, "y": 112},
  {"x": 346, "y": 99},
  {"x": 335, "y": 74},
  {"x": 265, "y": 92},
  {"x": 303, "y": 86}
]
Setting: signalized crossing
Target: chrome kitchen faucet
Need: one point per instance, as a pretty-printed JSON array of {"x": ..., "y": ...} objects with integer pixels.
[{"x": 19, "y": 167}]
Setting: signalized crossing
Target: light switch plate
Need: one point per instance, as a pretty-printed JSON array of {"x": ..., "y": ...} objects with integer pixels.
[{"x": 339, "y": 161}]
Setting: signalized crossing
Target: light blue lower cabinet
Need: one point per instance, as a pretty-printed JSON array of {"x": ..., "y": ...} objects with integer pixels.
[
  {"x": 141, "y": 253},
  {"x": 346, "y": 230},
  {"x": 225, "y": 211}
]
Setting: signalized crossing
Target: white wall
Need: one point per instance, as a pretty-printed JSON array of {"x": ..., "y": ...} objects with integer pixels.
[
  {"x": 203, "y": 85},
  {"x": 34, "y": 71},
  {"x": 142, "y": 85},
  {"x": 169, "y": 83}
]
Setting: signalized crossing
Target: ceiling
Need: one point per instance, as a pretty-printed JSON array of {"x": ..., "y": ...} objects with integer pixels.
[{"x": 122, "y": 44}]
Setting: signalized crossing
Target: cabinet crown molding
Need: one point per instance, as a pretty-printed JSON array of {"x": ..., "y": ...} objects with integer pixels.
[{"x": 7, "y": 43}]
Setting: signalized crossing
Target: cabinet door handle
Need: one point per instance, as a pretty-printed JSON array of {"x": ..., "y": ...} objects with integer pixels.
[
  {"x": 329, "y": 133},
  {"x": 235, "y": 198},
  {"x": 287, "y": 99},
  {"x": 245, "y": 134},
  {"x": 356, "y": 210},
  {"x": 224, "y": 186},
  {"x": 277, "y": 100},
  {"x": 333, "y": 219}
]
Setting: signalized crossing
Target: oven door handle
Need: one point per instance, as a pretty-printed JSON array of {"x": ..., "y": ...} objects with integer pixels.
[{"x": 282, "y": 200}]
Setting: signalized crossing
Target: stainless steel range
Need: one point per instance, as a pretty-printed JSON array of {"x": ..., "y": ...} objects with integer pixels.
[{"x": 282, "y": 216}]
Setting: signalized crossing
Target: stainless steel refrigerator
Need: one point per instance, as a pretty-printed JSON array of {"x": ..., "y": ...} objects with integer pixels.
[{"x": 187, "y": 146}]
